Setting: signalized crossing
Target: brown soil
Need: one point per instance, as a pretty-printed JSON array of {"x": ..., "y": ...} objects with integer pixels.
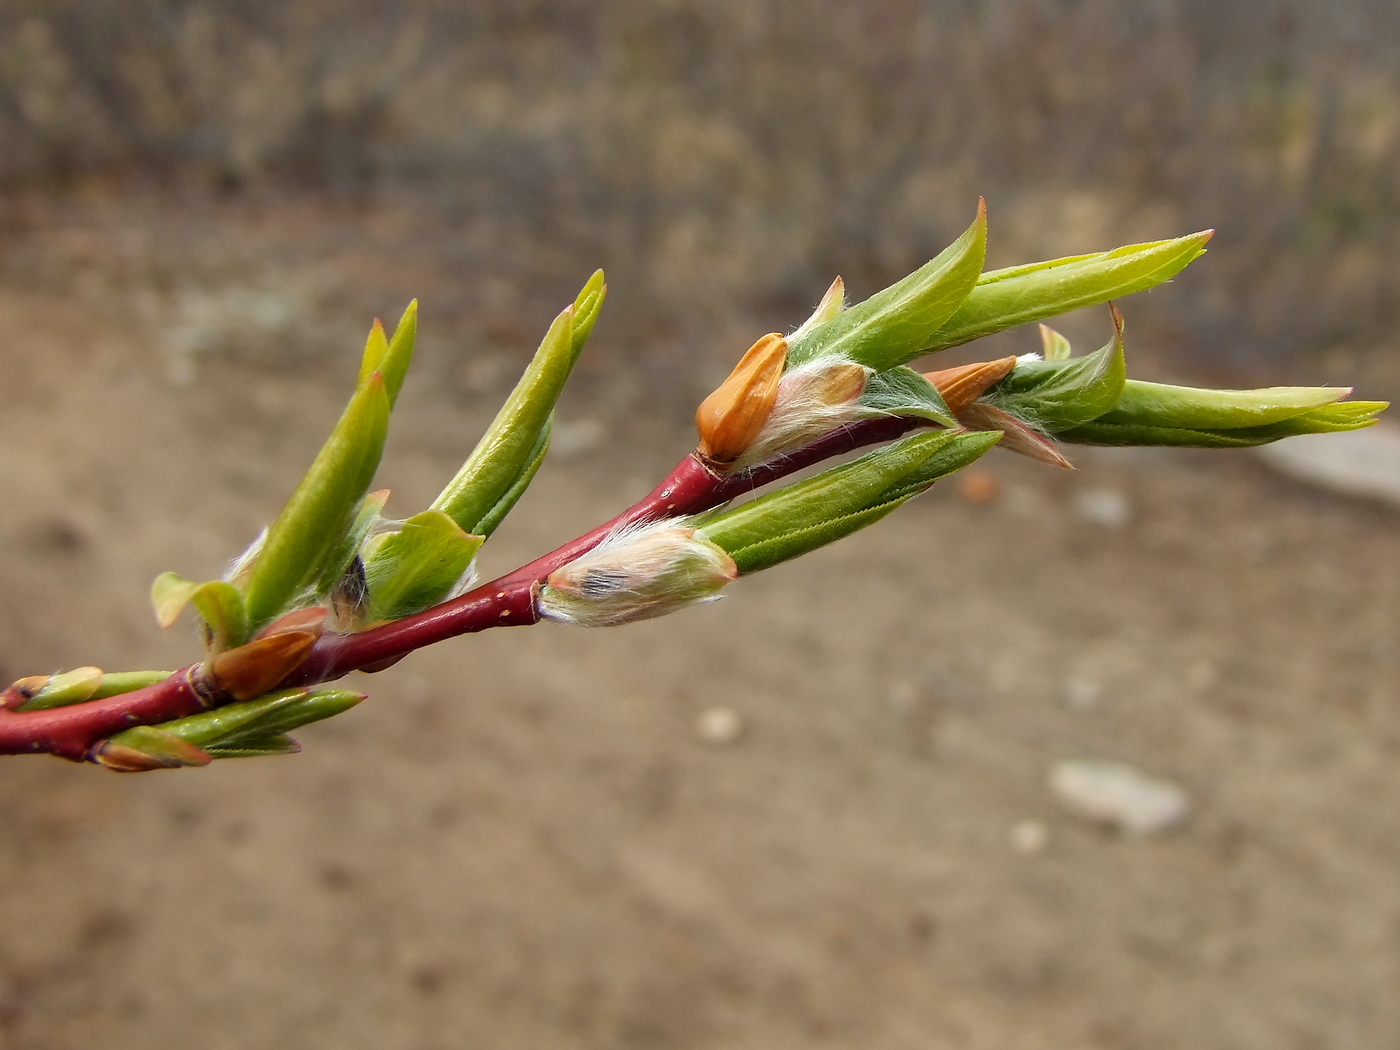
[{"x": 523, "y": 841}]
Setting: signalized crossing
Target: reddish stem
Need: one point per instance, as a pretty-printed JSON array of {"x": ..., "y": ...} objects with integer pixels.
[{"x": 692, "y": 487}]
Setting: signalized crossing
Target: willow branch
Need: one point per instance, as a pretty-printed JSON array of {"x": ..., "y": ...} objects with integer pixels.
[{"x": 509, "y": 601}]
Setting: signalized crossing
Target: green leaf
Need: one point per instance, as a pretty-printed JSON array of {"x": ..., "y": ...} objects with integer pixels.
[
  {"x": 259, "y": 747},
  {"x": 416, "y": 567},
  {"x": 219, "y": 604},
  {"x": 764, "y": 554},
  {"x": 152, "y": 748},
  {"x": 957, "y": 452},
  {"x": 289, "y": 714},
  {"x": 798, "y": 518},
  {"x": 896, "y": 325},
  {"x": 170, "y": 593},
  {"x": 70, "y": 687},
  {"x": 308, "y": 531},
  {"x": 586, "y": 307},
  {"x": 1005, "y": 298},
  {"x": 1053, "y": 346},
  {"x": 1328, "y": 419},
  {"x": 901, "y": 391},
  {"x": 89, "y": 683},
  {"x": 398, "y": 355},
  {"x": 376, "y": 346},
  {"x": 221, "y": 608},
  {"x": 1060, "y": 394},
  {"x": 118, "y": 682},
  {"x": 511, "y": 496},
  {"x": 1157, "y": 404},
  {"x": 507, "y": 449},
  {"x": 238, "y": 724},
  {"x": 367, "y": 512}
]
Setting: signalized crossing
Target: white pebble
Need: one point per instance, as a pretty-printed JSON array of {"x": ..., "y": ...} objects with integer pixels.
[
  {"x": 1029, "y": 837},
  {"x": 719, "y": 726},
  {"x": 1119, "y": 796},
  {"x": 1107, "y": 507}
]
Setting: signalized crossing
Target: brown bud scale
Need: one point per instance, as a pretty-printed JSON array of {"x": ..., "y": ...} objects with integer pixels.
[
  {"x": 731, "y": 417},
  {"x": 963, "y": 385}
]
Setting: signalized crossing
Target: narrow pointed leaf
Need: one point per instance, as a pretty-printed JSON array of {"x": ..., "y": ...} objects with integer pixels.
[
  {"x": 398, "y": 354},
  {"x": 1057, "y": 395},
  {"x": 292, "y": 714},
  {"x": 1054, "y": 346},
  {"x": 896, "y": 325},
  {"x": 511, "y": 496},
  {"x": 112, "y": 684},
  {"x": 118, "y": 682},
  {"x": 416, "y": 567},
  {"x": 833, "y": 302},
  {"x": 764, "y": 554},
  {"x": 506, "y": 450},
  {"x": 1157, "y": 404},
  {"x": 259, "y": 747},
  {"x": 237, "y": 724},
  {"x": 376, "y": 346},
  {"x": 797, "y": 518},
  {"x": 951, "y": 456},
  {"x": 70, "y": 687},
  {"x": 586, "y": 307},
  {"x": 310, "y": 527},
  {"x": 1328, "y": 419},
  {"x": 367, "y": 513},
  {"x": 950, "y": 452},
  {"x": 1007, "y": 298},
  {"x": 149, "y": 747}
]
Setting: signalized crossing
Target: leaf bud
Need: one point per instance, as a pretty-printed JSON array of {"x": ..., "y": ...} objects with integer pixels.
[
  {"x": 252, "y": 669},
  {"x": 636, "y": 574},
  {"x": 732, "y": 417},
  {"x": 811, "y": 399},
  {"x": 963, "y": 385}
]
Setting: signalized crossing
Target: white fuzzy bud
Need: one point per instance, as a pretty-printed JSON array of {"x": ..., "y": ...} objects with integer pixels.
[
  {"x": 635, "y": 574},
  {"x": 813, "y": 399}
]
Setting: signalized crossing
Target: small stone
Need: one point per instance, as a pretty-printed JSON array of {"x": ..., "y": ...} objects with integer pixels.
[
  {"x": 1107, "y": 507},
  {"x": 719, "y": 726},
  {"x": 1029, "y": 837},
  {"x": 978, "y": 487},
  {"x": 1118, "y": 796},
  {"x": 1082, "y": 694}
]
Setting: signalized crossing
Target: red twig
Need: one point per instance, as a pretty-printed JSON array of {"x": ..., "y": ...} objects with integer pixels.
[{"x": 692, "y": 487}]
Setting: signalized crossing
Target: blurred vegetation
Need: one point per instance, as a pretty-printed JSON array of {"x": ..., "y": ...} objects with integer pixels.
[{"x": 714, "y": 153}]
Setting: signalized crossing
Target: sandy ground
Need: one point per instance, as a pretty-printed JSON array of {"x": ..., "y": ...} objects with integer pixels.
[{"x": 522, "y": 841}]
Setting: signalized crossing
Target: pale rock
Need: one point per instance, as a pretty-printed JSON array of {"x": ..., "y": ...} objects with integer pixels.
[
  {"x": 1118, "y": 795},
  {"x": 719, "y": 726},
  {"x": 1353, "y": 463},
  {"x": 1106, "y": 507}
]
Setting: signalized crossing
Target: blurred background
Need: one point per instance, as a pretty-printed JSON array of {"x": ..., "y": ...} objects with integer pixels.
[{"x": 817, "y": 813}]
